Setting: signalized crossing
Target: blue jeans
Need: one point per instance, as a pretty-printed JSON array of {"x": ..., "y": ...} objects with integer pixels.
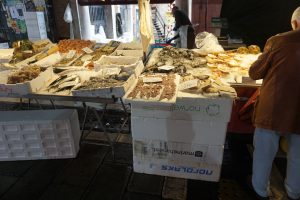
[{"x": 266, "y": 144}]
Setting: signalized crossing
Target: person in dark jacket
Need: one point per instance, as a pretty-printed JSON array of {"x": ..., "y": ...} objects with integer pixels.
[
  {"x": 184, "y": 26},
  {"x": 277, "y": 110}
]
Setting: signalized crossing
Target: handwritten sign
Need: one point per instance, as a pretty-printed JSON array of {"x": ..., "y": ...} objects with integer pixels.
[
  {"x": 189, "y": 84},
  {"x": 87, "y": 50},
  {"x": 152, "y": 79}
]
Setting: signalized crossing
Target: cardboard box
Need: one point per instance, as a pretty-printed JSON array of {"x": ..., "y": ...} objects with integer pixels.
[
  {"x": 126, "y": 63},
  {"x": 36, "y": 26},
  {"x": 201, "y": 132},
  {"x": 178, "y": 159},
  {"x": 134, "y": 53},
  {"x": 20, "y": 89},
  {"x": 186, "y": 107},
  {"x": 39, "y": 134}
]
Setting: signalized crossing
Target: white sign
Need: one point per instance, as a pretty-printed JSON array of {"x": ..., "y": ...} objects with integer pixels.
[
  {"x": 189, "y": 84},
  {"x": 71, "y": 54},
  {"x": 87, "y": 50},
  {"x": 4, "y": 45},
  {"x": 166, "y": 67},
  {"x": 152, "y": 79},
  {"x": 86, "y": 58}
]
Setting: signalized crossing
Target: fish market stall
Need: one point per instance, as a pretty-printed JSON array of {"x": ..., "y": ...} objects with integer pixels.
[{"x": 181, "y": 100}]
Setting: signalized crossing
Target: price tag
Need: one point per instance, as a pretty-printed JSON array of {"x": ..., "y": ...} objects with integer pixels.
[
  {"x": 87, "y": 50},
  {"x": 189, "y": 84},
  {"x": 86, "y": 58},
  {"x": 166, "y": 67},
  {"x": 152, "y": 79},
  {"x": 71, "y": 54},
  {"x": 111, "y": 71},
  {"x": 28, "y": 51}
]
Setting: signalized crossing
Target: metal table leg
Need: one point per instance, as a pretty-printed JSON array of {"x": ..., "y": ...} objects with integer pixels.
[{"x": 99, "y": 120}]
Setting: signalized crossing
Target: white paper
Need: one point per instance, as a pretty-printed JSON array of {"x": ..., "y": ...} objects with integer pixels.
[
  {"x": 189, "y": 84},
  {"x": 166, "y": 67}
]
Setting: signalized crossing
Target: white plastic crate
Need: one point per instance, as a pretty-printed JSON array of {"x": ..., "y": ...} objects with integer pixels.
[{"x": 39, "y": 134}]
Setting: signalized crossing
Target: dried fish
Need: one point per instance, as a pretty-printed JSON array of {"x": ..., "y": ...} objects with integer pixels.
[
  {"x": 105, "y": 82},
  {"x": 155, "y": 90}
]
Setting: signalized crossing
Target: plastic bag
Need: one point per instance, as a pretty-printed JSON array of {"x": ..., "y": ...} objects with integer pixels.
[
  {"x": 208, "y": 43},
  {"x": 68, "y": 14}
]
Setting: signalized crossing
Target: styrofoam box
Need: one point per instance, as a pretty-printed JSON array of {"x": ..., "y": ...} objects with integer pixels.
[
  {"x": 178, "y": 159},
  {"x": 39, "y": 134},
  {"x": 6, "y": 55},
  {"x": 127, "y": 63},
  {"x": 49, "y": 60},
  {"x": 19, "y": 89},
  {"x": 134, "y": 53},
  {"x": 201, "y": 132},
  {"x": 130, "y": 46},
  {"x": 186, "y": 108}
]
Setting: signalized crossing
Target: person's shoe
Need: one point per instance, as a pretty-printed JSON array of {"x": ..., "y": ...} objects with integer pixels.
[{"x": 251, "y": 189}]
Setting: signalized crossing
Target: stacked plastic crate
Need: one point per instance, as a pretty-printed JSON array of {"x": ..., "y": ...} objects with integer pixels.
[{"x": 40, "y": 134}]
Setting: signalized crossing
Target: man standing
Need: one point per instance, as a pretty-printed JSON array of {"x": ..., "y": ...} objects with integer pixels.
[
  {"x": 184, "y": 26},
  {"x": 277, "y": 110}
]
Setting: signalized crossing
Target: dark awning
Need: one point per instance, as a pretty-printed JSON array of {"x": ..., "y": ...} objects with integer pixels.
[{"x": 118, "y": 2}]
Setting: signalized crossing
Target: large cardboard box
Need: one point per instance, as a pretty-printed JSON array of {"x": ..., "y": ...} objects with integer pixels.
[
  {"x": 187, "y": 107},
  {"x": 178, "y": 159},
  {"x": 36, "y": 26},
  {"x": 187, "y": 131}
]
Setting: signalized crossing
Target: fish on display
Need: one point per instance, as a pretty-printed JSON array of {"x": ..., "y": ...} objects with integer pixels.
[{"x": 65, "y": 82}]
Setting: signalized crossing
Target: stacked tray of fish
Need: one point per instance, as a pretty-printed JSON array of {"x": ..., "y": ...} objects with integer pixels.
[
  {"x": 67, "y": 81},
  {"x": 174, "y": 60},
  {"x": 88, "y": 59},
  {"x": 25, "y": 80},
  {"x": 206, "y": 85},
  {"x": 113, "y": 82}
]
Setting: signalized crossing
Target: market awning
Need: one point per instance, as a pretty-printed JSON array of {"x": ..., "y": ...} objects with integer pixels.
[{"x": 118, "y": 2}]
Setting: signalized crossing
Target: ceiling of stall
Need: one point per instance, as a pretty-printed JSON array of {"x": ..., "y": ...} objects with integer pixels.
[{"x": 118, "y": 2}]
